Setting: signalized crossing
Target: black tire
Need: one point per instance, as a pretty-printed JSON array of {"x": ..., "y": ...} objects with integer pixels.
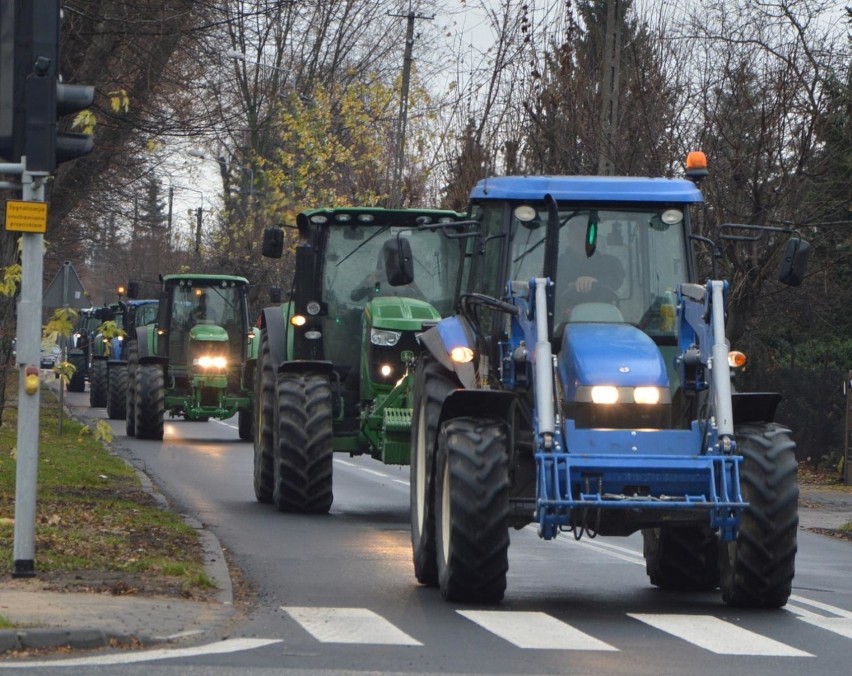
[
  {"x": 472, "y": 510},
  {"x": 432, "y": 384},
  {"x": 98, "y": 384},
  {"x": 757, "y": 568},
  {"x": 303, "y": 450},
  {"x": 244, "y": 424},
  {"x": 682, "y": 558},
  {"x": 117, "y": 392},
  {"x": 130, "y": 410},
  {"x": 150, "y": 401},
  {"x": 77, "y": 382},
  {"x": 264, "y": 434}
]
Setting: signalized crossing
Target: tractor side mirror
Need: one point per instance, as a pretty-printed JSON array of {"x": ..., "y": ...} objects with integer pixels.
[
  {"x": 275, "y": 295},
  {"x": 133, "y": 289},
  {"x": 399, "y": 262},
  {"x": 794, "y": 265},
  {"x": 273, "y": 243}
]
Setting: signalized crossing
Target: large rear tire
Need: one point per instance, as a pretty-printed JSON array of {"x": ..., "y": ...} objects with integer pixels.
[
  {"x": 130, "y": 412},
  {"x": 472, "y": 510},
  {"x": 757, "y": 568},
  {"x": 303, "y": 446},
  {"x": 117, "y": 392},
  {"x": 432, "y": 384},
  {"x": 682, "y": 558},
  {"x": 264, "y": 433},
  {"x": 98, "y": 384},
  {"x": 150, "y": 401}
]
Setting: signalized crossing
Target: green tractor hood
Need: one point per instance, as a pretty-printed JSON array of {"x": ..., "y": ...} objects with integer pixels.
[{"x": 399, "y": 314}]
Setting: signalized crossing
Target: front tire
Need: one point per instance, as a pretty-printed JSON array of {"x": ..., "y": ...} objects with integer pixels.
[
  {"x": 264, "y": 433},
  {"x": 472, "y": 510},
  {"x": 98, "y": 384},
  {"x": 757, "y": 568},
  {"x": 432, "y": 384},
  {"x": 682, "y": 558},
  {"x": 303, "y": 444},
  {"x": 130, "y": 411},
  {"x": 117, "y": 392},
  {"x": 150, "y": 401}
]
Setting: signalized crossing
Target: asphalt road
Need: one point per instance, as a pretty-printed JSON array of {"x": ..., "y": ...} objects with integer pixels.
[{"x": 338, "y": 593}]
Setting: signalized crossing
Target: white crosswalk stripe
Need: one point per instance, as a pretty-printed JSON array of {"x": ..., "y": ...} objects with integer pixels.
[
  {"x": 531, "y": 630},
  {"x": 348, "y": 625},
  {"x": 534, "y": 630},
  {"x": 718, "y": 636}
]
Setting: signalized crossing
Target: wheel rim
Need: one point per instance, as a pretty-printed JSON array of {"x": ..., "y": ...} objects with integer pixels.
[
  {"x": 445, "y": 512},
  {"x": 420, "y": 460}
]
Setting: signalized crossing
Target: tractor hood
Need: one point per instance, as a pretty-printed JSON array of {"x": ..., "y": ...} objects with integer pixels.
[
  {"x": 208, "y": 332},
  {"x": 399, "y": 313},
  {"x": 609, "y": 354}
]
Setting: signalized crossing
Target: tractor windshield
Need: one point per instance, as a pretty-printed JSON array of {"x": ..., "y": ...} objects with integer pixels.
[
  {"x": 214, "y": 304},
  {"x": 629, "y": 259},
  {"x": 354, "y": 274}
]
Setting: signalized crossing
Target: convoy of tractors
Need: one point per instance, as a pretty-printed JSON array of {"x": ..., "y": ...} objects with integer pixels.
[{"x": 552, "y": 356}]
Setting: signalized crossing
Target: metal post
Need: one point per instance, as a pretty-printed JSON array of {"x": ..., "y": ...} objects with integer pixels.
[
  {"x": 29, "y": 344},
  {"x": 847, "y": 441},
  {"x": 198, "y": 216}
]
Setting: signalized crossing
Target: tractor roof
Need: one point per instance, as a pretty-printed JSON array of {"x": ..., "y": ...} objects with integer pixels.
[
  {"x": 208, "y": 279},
  {"x": 376, "y": 216},
  {"x": 587, "y": 189}
]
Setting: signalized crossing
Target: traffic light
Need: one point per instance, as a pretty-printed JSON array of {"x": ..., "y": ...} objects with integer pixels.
[
  {"x": 32, "y": 96},
  {"x": 47, "y": 98},
  {"x": 12, "y": 74}
]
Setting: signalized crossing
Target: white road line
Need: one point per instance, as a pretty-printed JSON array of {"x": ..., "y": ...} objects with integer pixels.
[
  {"x": 533, "y": 630},
  {"x": 838, "y": 625},
  {"x": 348, "y": 625},
  {"x": 615, "y": 551},
  {"x": 834, "y": 610},
  {"x": 224, "y": 423},
  {"x": 232, "y": 645},
  {"x": 718, "y": 636}
]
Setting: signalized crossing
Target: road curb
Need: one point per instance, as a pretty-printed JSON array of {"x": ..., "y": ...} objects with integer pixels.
[{"x": 25, "y": 640}]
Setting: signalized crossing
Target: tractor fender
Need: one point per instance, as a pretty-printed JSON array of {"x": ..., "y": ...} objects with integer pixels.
[
  {"x": 276, "y": 332},
  {"x": 442, "y": 338},
  {"x": 753, "y": 407},
  {"x": 478, "y": 404}
]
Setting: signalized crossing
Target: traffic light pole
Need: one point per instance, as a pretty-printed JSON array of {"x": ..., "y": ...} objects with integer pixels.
[{"x": 29, "y": 399}]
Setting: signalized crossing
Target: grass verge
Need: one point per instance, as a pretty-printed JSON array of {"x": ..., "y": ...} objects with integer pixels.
[{"x": 96, "y": 528}]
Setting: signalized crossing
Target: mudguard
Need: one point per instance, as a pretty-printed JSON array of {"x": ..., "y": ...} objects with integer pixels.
[
  {"x": 440, "y": 340},
  {"x": 276, "y": 332}
]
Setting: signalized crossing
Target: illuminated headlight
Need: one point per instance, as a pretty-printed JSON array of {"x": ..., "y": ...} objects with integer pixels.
[
  {"x": 298, "y": 320},
  {"x": 384, "y": 338},
  {"x": 120, "y": 339},
  {"x": 461, "y": 355},
  {"x": 207, "y": 362},
  {"x": 604, "y": 394},
  {"x": 736, "y": 359},
  {"x": 385, "y": 370},
  {"x": 646, "y": 395}
]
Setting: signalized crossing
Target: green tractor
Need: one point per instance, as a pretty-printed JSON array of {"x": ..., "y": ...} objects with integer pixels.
[
  {"x": 197, "y": 360},
  {"x": 80, "y": 346},
  {"x": 334, "y": 359}
]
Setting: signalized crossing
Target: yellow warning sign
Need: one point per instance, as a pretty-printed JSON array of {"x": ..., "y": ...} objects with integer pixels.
[{"x": 26, "y": 216}]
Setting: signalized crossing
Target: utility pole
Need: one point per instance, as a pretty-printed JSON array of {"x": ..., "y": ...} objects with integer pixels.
[
  {"x": 847, "y": 437},
  {"x": 402, "y": 119},
  {"x": 610, "y": 64}
]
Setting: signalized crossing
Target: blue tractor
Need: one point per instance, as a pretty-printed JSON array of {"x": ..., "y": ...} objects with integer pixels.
[{"x": 585, "y": 385}]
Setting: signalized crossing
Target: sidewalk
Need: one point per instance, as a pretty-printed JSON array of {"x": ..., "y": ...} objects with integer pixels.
[{"x": 47, "y": 620}]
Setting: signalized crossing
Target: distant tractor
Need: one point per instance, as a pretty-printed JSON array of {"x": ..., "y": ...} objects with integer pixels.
[
  {"x": 585, "y": 386},
  {"x": 197, "y": 360},
  {"x": 81, "y": 345},
  {"x": 129, "y": 316},
  {"x": 334, "y": 361}
]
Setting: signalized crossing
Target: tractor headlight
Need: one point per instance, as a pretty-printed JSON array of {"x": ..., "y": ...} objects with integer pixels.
[
  {"x": 604, "y": 394},
  {"x": 461, "y": 355},
  {"x": 386, "y": 370},
  {"x": 209, "y": 362},
  {"x": 384, "y": 338},
  {"x": 646, "y": 395}
]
